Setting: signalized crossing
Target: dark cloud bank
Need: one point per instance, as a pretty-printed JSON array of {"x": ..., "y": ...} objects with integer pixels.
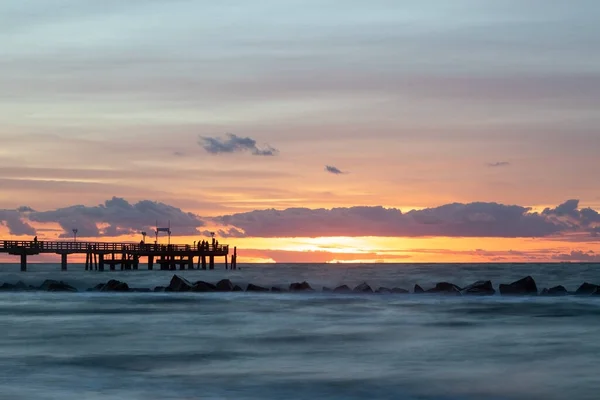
[
  {"x": 452, "y": 220},
  {"x": 114, "y": 217},
  {"x": 118, "y": 217}
]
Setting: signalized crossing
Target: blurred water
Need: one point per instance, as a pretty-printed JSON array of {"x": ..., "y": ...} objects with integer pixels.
[{"x": 300, "y": 346}]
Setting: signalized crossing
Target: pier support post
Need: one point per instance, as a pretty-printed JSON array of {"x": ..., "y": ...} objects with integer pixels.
[
  {"x": 234, "y": 259},
  {"x": 226, "y": 261},
  {"x": 211, "y": 261},
  {"x": 136, "y": 262},
  {"x": 203, "y": 262},
  {"x": 190, "y": 262},
  {"x": 182, "y": 263},
  {"x": 100, "y": 262},
  {"x": 23, "y": 262},
  {"x": 63, "y": 262},
  {"x": 150, "y": 262}
]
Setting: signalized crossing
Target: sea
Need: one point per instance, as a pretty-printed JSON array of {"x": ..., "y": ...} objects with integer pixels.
[{"x": 257, "y": 346}]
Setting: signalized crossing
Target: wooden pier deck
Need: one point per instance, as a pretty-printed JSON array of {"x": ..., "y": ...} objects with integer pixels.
[{"x": 126, "y": 255}]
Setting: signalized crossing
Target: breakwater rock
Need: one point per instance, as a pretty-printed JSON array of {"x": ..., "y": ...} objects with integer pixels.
[{"x": 522, "y": 287}]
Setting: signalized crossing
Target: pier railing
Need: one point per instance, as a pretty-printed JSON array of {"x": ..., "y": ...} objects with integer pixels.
[{"x": 84, "y": 247}]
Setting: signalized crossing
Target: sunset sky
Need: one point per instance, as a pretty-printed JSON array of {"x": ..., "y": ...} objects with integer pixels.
[{"x": 305, "y": 130}]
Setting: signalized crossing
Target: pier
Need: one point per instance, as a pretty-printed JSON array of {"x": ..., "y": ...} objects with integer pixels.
[{"x": 100, "y": 255}]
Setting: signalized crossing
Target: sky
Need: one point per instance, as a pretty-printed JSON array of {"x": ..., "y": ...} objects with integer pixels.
[{"x": 308, "y": 131}]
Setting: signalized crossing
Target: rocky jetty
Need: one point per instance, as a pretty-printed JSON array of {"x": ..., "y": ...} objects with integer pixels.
[
  {"x": 525, "y": 286},
  {"x": 178, "y": 284}
]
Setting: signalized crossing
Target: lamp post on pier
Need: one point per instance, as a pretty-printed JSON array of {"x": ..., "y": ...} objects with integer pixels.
[{"x": 75, "y": 230}]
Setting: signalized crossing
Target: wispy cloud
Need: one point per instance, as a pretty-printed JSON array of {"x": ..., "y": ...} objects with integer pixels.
[
  {"x": 498, "y": 164},
  {"x": 334, "y": 170},
  {"x": 234, "y": 144}
]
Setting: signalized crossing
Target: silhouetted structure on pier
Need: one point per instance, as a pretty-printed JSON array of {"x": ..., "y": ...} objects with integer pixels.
[{"x": 127, "y": 255}]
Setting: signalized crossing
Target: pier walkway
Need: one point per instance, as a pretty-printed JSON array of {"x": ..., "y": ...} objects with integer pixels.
[{"x": 127, "y": 255}]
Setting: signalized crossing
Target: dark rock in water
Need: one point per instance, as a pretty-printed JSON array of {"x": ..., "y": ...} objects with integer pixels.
[
  {"x": 140, "y": 290},
  {"x": 363, "y": 288},
  {"x": 237, "y": 288},
  {"x": 115, "y": 286},
  {"x": 255, "y": 288},
  {"x": 418, "y": 289},
  {"x": 555, "y": 291},
  {"x": 445, "y": 288},
  {"x": 300, "y": 287},
  {"x": 159, "y": 289},
  {"x": 19, "y": 286},
  {"x": 383, "y": 290},
  {"x": 522, "y": 286},
  {"x": 342, "y": 289},
  {"x": 479, "y": 288},
  {"x": 326, "y": 289},
  {"x": 96, "y": 288},
  {"x": 203, "y": 287},
  {"x": 56, "y": 286},
  {"x": 596, "y": 292},
  {"x": 224, "y": 285},
  {"x": 275, "y": 289},
  {"x": 398, "y": 290},
  {"x": 586, "y": 289},
  {"x": 179, "y": 284}
]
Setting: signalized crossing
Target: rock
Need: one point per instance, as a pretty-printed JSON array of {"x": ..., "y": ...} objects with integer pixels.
[
  {"x": 255, "y": 288},
  {"x": 203, "y": 287},
  {"x": 159, "y": 289},
  {"x": 115, "y": 286},
  {"x": 96, "y": 288},
  {"x": 398, "y": 290},
  {"x": 140, "y": 290},
  {"x": 555, "y": 291},
  {"x": 342, "y": 289},
  {"x": 237, "y": 288},
  {"x": 586, "y": 289},
  {"x": 445, "y": 288},
  {"x": 300, "y": 287},
  {"x": 479, "y": 288},
  {"x": 224, "y": 285},
  {"x": 418, "y": 289},
  {"x": 383, "y": 290},
  {"x": 17, "y": 286},
  {"x": 596, "y": 292},
  {"x": 275, "y": 289},
  {"x": 522, "y": 286},
  {"x": 179, "y": 284},
  {"x": 326, "y": 289},
  {"x": 54, "y": 286},
  {"x": 363, "y": 288},
  {"x": 12, "y": 287}
]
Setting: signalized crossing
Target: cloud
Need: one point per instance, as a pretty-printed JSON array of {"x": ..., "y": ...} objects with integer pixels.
[
  {"x": 578, "y": 256},
  {"x": 233, "y": 144},
  {"x": 334, "y": 170},
  {"x": 569, "y": 213},
  {"x": 498, "y": 164},
  {"x": 119, "y": 217},
  {"x": 13, "y": 220},
  {"x": 451, "y": 220}
]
